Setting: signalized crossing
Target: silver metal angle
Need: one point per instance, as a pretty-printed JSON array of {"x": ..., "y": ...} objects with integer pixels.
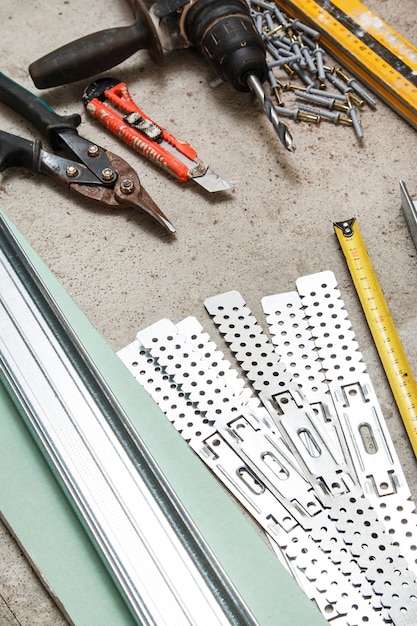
[
  {"x": 368, "y": 545},
  {"x": 154, "y": 552},
  {"x": 316, "y": 574},
  {"x": 409, "y": 208}
]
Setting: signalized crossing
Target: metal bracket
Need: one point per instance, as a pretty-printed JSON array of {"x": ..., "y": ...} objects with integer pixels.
[{"x": 280, "y": 440}]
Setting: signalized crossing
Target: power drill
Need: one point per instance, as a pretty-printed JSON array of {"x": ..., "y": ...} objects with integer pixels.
[{"x": 223, "y": 32}]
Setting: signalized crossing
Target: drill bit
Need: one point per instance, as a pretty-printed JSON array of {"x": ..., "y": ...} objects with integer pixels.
[{"x": 280, "y": 128}]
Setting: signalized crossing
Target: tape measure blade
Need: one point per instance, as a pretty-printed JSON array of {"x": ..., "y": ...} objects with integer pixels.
[{"x": 381, "y": 325}]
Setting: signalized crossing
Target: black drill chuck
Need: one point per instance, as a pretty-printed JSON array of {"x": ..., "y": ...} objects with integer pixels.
[{"x": 225, "y": 34}]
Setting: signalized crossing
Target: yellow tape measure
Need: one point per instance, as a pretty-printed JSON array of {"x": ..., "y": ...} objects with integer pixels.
[
  {"x": 365, "y": 45},
  {"x": 387, "y": 341}
]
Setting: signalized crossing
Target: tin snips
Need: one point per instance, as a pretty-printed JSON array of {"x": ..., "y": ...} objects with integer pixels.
[{"x": 95, "y": 173}]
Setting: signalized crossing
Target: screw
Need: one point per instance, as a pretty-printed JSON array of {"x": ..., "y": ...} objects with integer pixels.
[
  {"x": 93, "y": 150},
  {"x": 258, "y": 19},
  {"x": 274, "y": 31},
  {"x": 297, "y": 114},
  {"x": 269, "y": 22},
  {"x": 72, "y": 171},
  {"x": 263, "y": 5},
  {"x": 289, "y": 70},
  {"x": 307, "y": 56},
  {"x": 358, "y": 101},
  {"x": 322, "y": 100},
  {"x": 295, "y": 48},
  {"x": 333, "y": 116},
  {"x": 318, "y": 54},
  {"x": 281, "y": 17},
  {"x": 273, "y": 51},
  {"x": 280, "y": 45},
  {"x": 352, "y": 82},
  {"x": 317, "y": 92},
  {"x": 283, "y": 61},
  {"x": 308, "y": 41},
  {"x": 314, "y": 34},
  {"x": 345, "y": 120},
  {"x": 344, "y": 88},
  {"x": 297, "y": 51},
  {"x": 305, "y": 77},
  {"x": 108, "y": 174},
  {"x": 275, "y": 87},
  {"x": 308, "y": 117},
  {"x": 127, "y": 186},
  {"x": 353, "y": 115},
  {"x": 339, "y": 72}
]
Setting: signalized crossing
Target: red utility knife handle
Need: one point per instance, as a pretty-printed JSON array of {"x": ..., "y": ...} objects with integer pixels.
[{"x": 120, "y": 97}]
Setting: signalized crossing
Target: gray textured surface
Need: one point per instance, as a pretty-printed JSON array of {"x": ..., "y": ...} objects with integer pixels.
[{"x": 275, "y": 226}]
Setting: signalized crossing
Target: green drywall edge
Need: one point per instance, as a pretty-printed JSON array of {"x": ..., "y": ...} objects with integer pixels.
[
  {"x": 48, "y": 531},
  {"x": 58, "y": 545}
]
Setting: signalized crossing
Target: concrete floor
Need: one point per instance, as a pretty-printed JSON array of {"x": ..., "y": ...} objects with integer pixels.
[{"x": 274, "y": 226}]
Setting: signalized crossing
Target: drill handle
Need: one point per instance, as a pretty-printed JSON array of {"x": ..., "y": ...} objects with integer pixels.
[
  {"x": 88, "y": 55},
  {"x": 98, "y": 52}
]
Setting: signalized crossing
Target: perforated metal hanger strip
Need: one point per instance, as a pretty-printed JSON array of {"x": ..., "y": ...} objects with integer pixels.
[
  {"x": 315, "y": 513},
  {"x": 245, "y": 337},
  {"x": 316, "y": 573},
  {"x": 328, "y": 337}
]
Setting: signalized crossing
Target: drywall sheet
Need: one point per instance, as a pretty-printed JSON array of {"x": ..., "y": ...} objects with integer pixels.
[{"x": 45, "y": 525}]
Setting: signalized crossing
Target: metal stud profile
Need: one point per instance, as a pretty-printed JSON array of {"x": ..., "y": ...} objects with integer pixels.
[{"x": 153, "y": 550}]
